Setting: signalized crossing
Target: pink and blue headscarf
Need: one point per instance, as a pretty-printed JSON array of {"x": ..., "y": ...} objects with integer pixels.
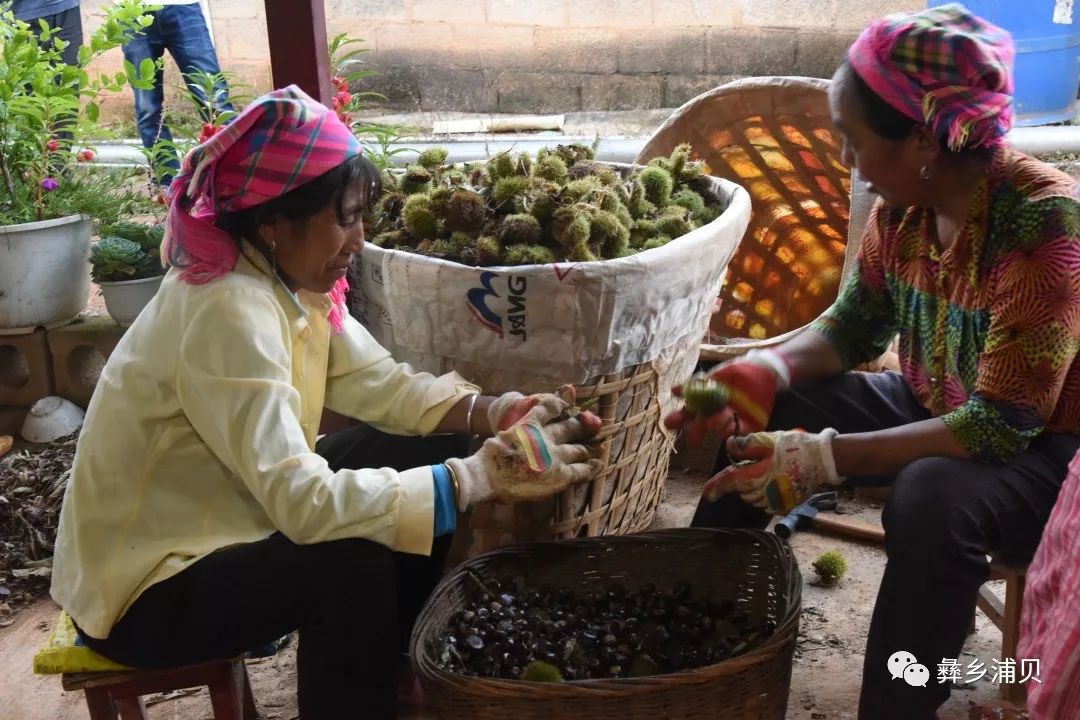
[
  {"x": 945, "y": 68},
  {"x": 279, "y": 142}
]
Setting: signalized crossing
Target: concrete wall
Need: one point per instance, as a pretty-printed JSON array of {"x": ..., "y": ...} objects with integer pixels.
[{"x": 561, "y": 55}]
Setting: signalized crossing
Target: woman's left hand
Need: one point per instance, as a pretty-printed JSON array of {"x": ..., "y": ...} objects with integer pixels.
[
  {"x": 785, "y": 469},
  {"x": 511, "y": 408}
]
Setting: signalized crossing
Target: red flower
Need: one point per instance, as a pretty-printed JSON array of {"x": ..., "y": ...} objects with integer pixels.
[
  {"x": 209, "y": 130},
  {"x": 345, "y": 97},
  {"x": 335, "y": 102},
  {"x": 53, "y": 145},
  {"x": 339, "y": 82},
  {"x": 345, "y": 117},
  {"x": 86, "y": 155}
]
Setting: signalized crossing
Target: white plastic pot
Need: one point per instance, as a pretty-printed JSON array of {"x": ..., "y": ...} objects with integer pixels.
[
  {"x": 125, "y": 299},
  {"x": 44, "y": 277}
]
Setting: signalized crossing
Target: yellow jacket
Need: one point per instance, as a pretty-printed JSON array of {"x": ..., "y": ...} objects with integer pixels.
[{"x": 200, "y": 435}]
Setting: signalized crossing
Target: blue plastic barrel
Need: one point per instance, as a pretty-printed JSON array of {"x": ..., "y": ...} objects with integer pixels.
[{"x": 1047, "y": 38}]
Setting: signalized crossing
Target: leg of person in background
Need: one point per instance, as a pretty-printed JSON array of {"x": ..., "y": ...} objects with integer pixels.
[
  {"x": 188, "y": 40},
  {"x": 149, "y": 103},
  {"x": 352, "y": 601},
  {"x": 943, "y": 518},
  {"x": 69, "y": 23}
]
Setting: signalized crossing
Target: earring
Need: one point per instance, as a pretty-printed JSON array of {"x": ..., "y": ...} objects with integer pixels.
[{"x": 924, "y": 173}]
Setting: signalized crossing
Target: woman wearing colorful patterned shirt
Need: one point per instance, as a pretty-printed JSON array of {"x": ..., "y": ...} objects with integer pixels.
[{"x": 972, "y": 256}]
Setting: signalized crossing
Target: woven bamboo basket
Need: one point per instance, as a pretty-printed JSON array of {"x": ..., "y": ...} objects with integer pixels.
[
  {"x": 621, "y": 498},
  {"x": 755, "y": 569},
  {"x": 775, "y": 137}
]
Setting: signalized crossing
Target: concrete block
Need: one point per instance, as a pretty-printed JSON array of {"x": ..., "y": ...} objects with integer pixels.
[
  {"x": 819, "y": 54},
  {"x": 11, "y": 419},
  {"x": 679, "y": 51},
  {"x": 492, "y": 47},
  {"x": 238, "y": 9},
  {"x": 367, "y": 9},
  {"x": 461, "y": 90},
  {"x": 415, "y": 44},
  {"x": 621, "y": 92},
  {"x": 535, "y": 12},
  {"x": 679, "y": 89},
  {"x": 400, "y": 86},
  {"x": 787, "y": 13},
  {"x": 610, "y": 13},
  {"x": 79, "y": 352},
  {"x": 587, "y": 50},
  {"x": 750, "y": 52},
  {"x": 538, "y": 92},
  {"x": 696, "y": 13},
  {"x": 25, "y": 369},
  {"x": 247, "y": 39},
  {"x": 857, "y": 14},
  {"x": 465, "y": 11}
]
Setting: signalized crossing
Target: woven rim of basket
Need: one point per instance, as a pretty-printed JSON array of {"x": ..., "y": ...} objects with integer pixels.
[
  {"x": 783, "y": 637},
  {"x": 750, "y": 98}
]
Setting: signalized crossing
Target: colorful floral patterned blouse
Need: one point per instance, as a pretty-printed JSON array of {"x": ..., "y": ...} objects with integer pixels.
[{"x": 989, "y": 329}]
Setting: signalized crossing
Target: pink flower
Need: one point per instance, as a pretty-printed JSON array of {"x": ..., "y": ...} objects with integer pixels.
[
  {"x": 52, "y": 145},
  {"x": 50, "y": 184},
  {"x": 86, "y": 155}
]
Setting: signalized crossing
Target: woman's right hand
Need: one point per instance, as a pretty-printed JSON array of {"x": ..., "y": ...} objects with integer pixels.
[
  {"x": 752, "y": 381},
  {"x": 540, "y": 454}
]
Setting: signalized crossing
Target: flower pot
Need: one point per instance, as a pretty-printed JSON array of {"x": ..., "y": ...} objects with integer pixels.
[
  {"x": 125, "y": 299},
  {"x": 44, "y": 278}
]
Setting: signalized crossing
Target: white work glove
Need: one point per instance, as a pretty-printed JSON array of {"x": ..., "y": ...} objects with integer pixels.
[
  {"x": 510, "y": 408},
  {"x": 537, "y": 456},
  {"x": 788, "y": 467}
]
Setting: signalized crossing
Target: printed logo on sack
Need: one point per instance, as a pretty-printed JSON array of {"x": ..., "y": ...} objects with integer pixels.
[{"x": 483, "y": 302}]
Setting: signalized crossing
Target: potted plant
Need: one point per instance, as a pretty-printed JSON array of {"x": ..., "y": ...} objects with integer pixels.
[
  {"x": 49, "y": 196},
  {"x": 126, "y": 264}
]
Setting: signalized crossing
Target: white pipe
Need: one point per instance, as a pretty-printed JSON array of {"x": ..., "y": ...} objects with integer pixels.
[
  {"x": 1032, "y": 140},
  {"x": 1046, "y": 140}
]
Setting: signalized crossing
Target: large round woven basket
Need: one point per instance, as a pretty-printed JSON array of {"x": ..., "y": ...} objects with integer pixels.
[
  {"x": 622, "y": 331},
  {"x": 754, "y": 569},
  {"x": 775, "y": 137}
]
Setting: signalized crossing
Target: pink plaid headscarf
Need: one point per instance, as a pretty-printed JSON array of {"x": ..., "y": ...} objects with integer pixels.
[
  {"x": 278, "y": 143},
  {"x": 943, "y": 67}
]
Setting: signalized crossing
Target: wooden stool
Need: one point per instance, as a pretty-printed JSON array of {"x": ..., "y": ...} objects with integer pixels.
[
  {"x": 1006, "y": 616},
  {"x": 118, "y": 694}
]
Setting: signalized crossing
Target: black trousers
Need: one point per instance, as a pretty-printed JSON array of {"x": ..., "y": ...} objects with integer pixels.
[
  {"x": 352, "y": 601},
  {"x": 943, "y": 517}
]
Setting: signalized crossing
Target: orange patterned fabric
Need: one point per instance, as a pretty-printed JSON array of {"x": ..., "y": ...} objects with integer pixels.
[{"x": 989, "y": 329}]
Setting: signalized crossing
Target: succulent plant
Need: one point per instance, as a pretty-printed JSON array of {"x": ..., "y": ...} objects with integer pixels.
[{"x": 114, "y": 259}]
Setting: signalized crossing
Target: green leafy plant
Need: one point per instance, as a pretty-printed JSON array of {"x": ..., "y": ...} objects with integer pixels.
[
  {"x": 46, "y": 107},
  {"x": 198, "y": 118},
  {"x": 349, "y": 71},
  {"x": 127, "y": 251}
]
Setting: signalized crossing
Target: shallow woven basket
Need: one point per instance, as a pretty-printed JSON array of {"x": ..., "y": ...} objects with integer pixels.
[
  {"x": 775, "y": 137},
  {"x": 622, "y": 498},
  {"x": 754, "y": 568}
]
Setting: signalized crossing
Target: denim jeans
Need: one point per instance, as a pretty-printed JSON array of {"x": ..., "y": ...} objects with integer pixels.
[{"x": 180, "y": 29}]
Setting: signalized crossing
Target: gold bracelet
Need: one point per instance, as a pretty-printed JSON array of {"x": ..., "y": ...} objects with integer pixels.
[
  {"x": 454, "y": 483},
  {"x": 468, "y": 416}
]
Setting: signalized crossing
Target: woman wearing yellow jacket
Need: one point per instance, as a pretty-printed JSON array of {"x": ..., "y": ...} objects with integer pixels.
[{"x": 201, "y": 519}]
